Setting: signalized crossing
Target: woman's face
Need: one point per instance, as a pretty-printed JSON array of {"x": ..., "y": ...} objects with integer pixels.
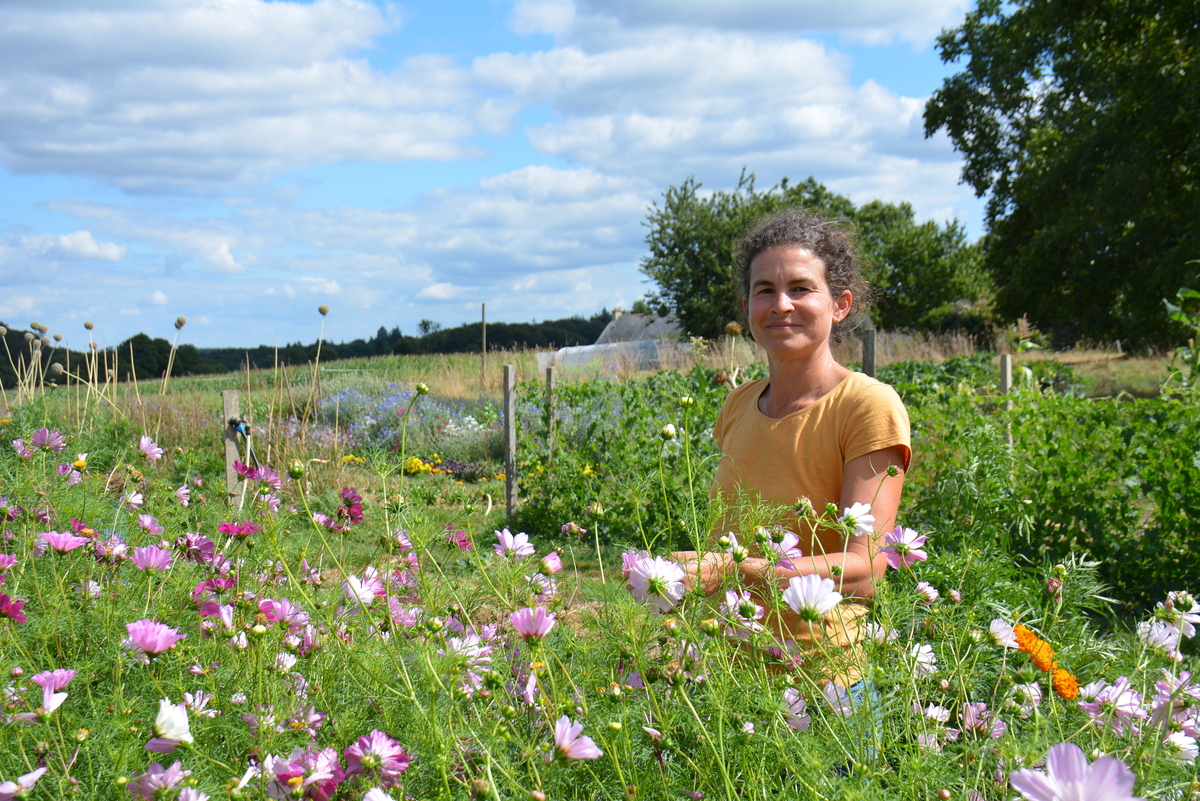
[{"x": 790, "y": 307}]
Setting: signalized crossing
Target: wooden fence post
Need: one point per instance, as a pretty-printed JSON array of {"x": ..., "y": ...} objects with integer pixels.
[
  {"x": 483, "y": 354},
  {"x": 1005, "y": 389},
  {"x": 230, "y": 413},
  {"x": 868, "y": 352},
  {"x": 510, "y": 439},
  {"x": 551, "y": 410}
]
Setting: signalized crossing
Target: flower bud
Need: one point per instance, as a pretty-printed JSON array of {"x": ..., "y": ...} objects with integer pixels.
[
  {"x": 422, "y": 388},
  {"x": 687, "y": 402},
  {"x": 614, "y": 725},
  {"x": 1053, "y": 587},
  {"x": 711, "y": 626},
  {"x": 668, "y": 432},
  {"x": 804, "y": 508},
  {"x": 296, "y": 469}
]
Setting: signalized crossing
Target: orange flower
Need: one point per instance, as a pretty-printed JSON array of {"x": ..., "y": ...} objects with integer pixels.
[
  {"x": 1066, "y": 685},
  {"x": 1040, "y": 652}
]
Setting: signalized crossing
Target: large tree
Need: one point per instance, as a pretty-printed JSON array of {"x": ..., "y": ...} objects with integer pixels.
[
  {"x": 917, "y": 268},
  {"x": 1081, "y": 121}
]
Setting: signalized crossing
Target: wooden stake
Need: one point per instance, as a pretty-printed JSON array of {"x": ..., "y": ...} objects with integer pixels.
[
  {"x": 483, "y": 354},
  {"x": 230, "y": 412},
  {"x": 510, "y": 439},
  {"x": 551, "y": 411},
  {"x": 868, "y": 347}
]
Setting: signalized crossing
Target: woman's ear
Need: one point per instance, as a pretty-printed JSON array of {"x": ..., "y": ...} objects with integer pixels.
[{"x": 842, "y": 306}]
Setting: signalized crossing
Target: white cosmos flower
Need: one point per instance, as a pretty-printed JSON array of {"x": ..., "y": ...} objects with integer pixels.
[
  {"x": 657, "y": 582},
  {"x": 860, "y": 517},
  {"x": 925, "y": 661},
  {"x": 1181, "y": 747},
  {"x": 1002, "y": 634},
  {"x": 811, "y": 596},
  {"x": 170, "y": 728}
]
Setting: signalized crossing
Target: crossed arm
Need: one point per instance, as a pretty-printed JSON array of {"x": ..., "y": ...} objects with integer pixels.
[{"x": 865, "y": 480}]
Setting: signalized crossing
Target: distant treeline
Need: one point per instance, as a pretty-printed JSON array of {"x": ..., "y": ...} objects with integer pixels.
[{"x": 149, "y": 357}]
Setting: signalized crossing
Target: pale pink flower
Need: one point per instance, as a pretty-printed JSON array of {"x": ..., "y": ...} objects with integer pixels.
[
  {"x": 837, "y": 697},
  {"x": 1175, "y": 698},
  {"x": 1161, "y": 636},
  {"x": 375, "y": 794},
  {"x": 795, "y": 710},
  {"x": 149, "y": 448},
  {"x": 1069, "y": 777},
  {"x": 151, "y": 638},
  {"x": 786, "y": 548},
  {"x": 630, "y": 558},
  {"x": 151, "y": 558},
  {"x": 515, "y": 546},
  {"x": 183, "y": 495},
  {"x": 927, "y": 592},
  {"x": 150, "y": 524},
  {"x": 133, "y": 500},
  {"x": 657, "y": 582},
  {"x": 811, "y": 597},
  {"x": 12, "y": 789},
  {"x": 192, "y": 794},
  {"x": 742, "y": 612},
  {"x": 904, "y": 547},
  {"x": 1027, "y": 697},
  {"x": 569, "y": 743},
  {"x": 62, "y": 541},
  {"x": 1117, "y": 707},
  {"x": 924, "y": 661},
  {"x": 532, "y": 624},
  {"x": 977, "y": 719},
  {"x": 156, "y": 781}
]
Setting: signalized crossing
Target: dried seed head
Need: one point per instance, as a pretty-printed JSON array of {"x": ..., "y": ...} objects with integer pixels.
[
  {"x": 89, "y": 325},
  {"x": 28, "y": 337},
  {"x": 95, "y": 345},
  {"x": 323, "y": 309},
  {"x": 36, "y": 326},
  {"x": 46, "y": 342},
  {"x": 56, "y": 368},
  {"x": 180, "y": 322},
  {"x": 58, "y": 337},
  {"x": 733, "y": 329},
  {"x": 3, "y": 331},
  {"x": 110, "y": 373}
]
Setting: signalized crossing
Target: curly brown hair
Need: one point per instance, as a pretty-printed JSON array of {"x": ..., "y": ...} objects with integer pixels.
[{"x": 828, "y": 240}]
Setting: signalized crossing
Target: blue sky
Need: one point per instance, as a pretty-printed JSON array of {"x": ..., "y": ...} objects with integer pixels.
[{"x": 241, "y": 162}]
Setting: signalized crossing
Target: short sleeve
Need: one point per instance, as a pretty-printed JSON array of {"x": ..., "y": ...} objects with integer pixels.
[{"x": 877, "y": 420}]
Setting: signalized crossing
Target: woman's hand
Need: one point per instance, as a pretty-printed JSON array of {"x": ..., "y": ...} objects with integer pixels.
[{"x": 705, "y": 570}]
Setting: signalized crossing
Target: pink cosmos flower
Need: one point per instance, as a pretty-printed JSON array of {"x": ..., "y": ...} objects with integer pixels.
[
  {"x": 364, "y": 591},
  {"x": 795, "y": 710},
  {"x": 742, "y": 612},
  {"x": 551, "y": 563},
  {"x": 838, "y": 698},
  {"x": 1069, "y": 776},
  {"x": 11, "y": 608},
  {"x": 532, "y": 624},
  {"x": 151, "y": 638},
  {"x": 811, "y": 596},
  {"x": 111, "y": 549},
  {"x": 62, "y": 541},
  {"x": 542, "y": 586},
  {"x": 54, "y": 680},
  {"x": 379, "y": 756},
  {"x": 514, "y": 546},
  {"x": 23, "y": 449},
  {"x": 787, "y": 549},
  {"x": 133, "y": 500},
  {"x": 1117, "y": 707},
  {"x": 657, "y": 582},
  {"x": 630, "y": 558},
  {"x": 183, "y": 495},
  {"x": 904, "y": 547},
  {"x": 149, "y": 448},
  {"x": 6, "y": 561},
  {"x": 976, "y": 719},
  {"x": 927, "y": 592},
  {"x": 151, "y": 558},
  {"x": 10, "y": 789},
  {"x": 157, "y": 781},
  {"x": 1175, "y": 698},
  {"x": 315, "y": 775},
  {"x": 150, "y": 524},
  {"x": 50, "y": 440},
  {"x": 570, "y": 744}
]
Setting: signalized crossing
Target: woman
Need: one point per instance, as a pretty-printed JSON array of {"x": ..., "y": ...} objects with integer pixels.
[{"x": 811, "y": 431}]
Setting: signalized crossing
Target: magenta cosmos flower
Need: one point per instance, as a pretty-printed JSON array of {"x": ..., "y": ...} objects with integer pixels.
[
  {"x": 379, "y": 756},
  {"x": 532, "y": 623},
  {"x": 569, "y": 743},
  {"x": 904, "y": 547},
  {"x": 150, "y": 637},
  {"x": 157, "y": 780},
  {"x": 1068, "y": 777},
  {"x": 11, "y": 608}
]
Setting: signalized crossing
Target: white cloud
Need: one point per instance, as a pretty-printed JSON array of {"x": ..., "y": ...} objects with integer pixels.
[
  {"x": 158, "y": 298},
  {"x": 442, "y": 291},
  {"x": 75, "y": 245},
  {"x": 321, "y": 286}
]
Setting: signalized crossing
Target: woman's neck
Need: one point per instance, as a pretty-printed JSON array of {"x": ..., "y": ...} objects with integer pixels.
[{"x": 797, "y": 385}]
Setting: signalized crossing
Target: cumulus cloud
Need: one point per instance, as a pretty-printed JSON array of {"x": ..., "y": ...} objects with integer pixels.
[
  {"x": 158, "y": 298},
  {"x": 167, "y": 96},
  {"x": 75, "y": 245}
]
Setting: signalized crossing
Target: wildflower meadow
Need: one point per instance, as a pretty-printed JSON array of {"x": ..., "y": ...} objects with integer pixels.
[{"x": 382, "y": 631}]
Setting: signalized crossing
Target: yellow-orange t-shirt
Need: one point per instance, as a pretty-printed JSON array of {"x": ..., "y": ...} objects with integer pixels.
[{"x": 804, "y": 455}]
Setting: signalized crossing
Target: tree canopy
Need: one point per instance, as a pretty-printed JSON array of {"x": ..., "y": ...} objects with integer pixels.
[
  {"x": 1081, "y": 121},
  {"x": 919, "y": 269}
]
